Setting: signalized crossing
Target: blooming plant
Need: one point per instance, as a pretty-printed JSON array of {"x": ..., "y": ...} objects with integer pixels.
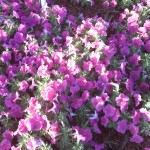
[{"x": 71, "y": 82}]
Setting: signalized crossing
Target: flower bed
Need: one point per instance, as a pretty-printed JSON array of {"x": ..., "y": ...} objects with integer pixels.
[{"x": 73, "y": 82}]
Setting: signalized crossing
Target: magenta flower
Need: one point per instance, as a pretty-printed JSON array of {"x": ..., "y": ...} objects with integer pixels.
[
  {"x": 5, "y": 144},
  {"x": 16, "y": 111},
  {"x": 137, "y": 42},
  {"x": 43, "y": 71},
  {"x": 144, "y": 87},
  {"x": 19, "y": 37},
  {"x": 87, "y": 65},
  {"x": 125, "y": 51},
  {"x": 147, "y": 24},
  {"x": 137, "y": 98},
  {"x": 133, "y": 129},
  {"x": 134, "y": 59},
  {"x": 122, "y": 101},
  {"x": 104, "y": 121},
  {"x": 23, "y": 126},
  {"x": 6, "y": 56},
  {"x": 48, "y": 94},
  {"x": 8, "y": 135},
  {"x": 23, "y": 86},
  {"x": 3, "y": 81},
  {"x": 116, "y": 116},
  {"x": 54, "y": 131},
  {"x": 81, "y": 134},
  {"x": 136, "y": 138},
  {"x": 147, "y": 46},
  {"x": 33, "y": 47},
  {"x": 33, "y": 144},
  {"x": 133, "y": 27},
  {"x": 98, "y": 103},
  {"x": 3, "y": 36},
  {"x": 136, "y": 116},
  {"x": 122, "y": 126},
  {"x": 109, "y": 110}
]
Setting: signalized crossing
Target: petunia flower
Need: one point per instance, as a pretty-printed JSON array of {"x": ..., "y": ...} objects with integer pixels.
[{"x": 122, "y": 126}]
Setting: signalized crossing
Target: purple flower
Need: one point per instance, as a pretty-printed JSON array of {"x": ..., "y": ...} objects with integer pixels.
[
  {"x": 109, "y": 110},
  {"x": 48, "y": 94},
  {"x": 137, "y": 98},
  {"x": 33, "y": 144},
  {"x": 136, "y": 138},
  {"x": 133, "y": 27},
  {"x": 147, "y": 46},
  {"x": 133, "y": 129},
  {"x": 22, "y": 28},
  {"x": 23, "y": 86},
  {"x": 36, "y": 123},
  {"x": 136, "y": 116},
  {"x": 3, "y": 81},
  {"x": 147, "y": 24},
  {"x": 98, "y": 103},
  {"x": 125, "y": 51},
  {"x": 8, "y": 134},
  {"x": 6, "y": 56},
  {"x": 81, "y": 134},
  {"x": 43, "y": 71},
  {"x": 134, "y": 75},
  {"x": 104, "y": 121},
  {"x": 16, "y": 111},
  {"x": 5, "y": 144},
  {"x": 3, "y": 36},
  {"x": 122, "y": 101},
  {"x": 122, "y": 126},
  {"x": 137, "y": 42},
  {"x": 144, "y": 87},
  {"x": 134, "y": 59},
  {"x": 19, "y": 37}
]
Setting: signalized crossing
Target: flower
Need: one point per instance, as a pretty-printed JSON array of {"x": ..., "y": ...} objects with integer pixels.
[
  {"x": 136, "y": 138},
  {"x": 137, "y": 42},
  {"x": 147, "y": 46},
  {"x": 109, "y": 110},
  {"x": 3, "y": 36},
  {"x": 5, "y": 144},
  {"x": 134, "y": 59},
  {"x": 3, "y": 81},
  {"x": 137, "y": 98},
  {"x": 33, "y": 143},
  {"x": 16, "y": 111},
  {"x": 48, "y": 94},
  {"x": 19, "y": 37},
  {"x": 98, "y": 103},
  {"x": 133, "y": 128},
  {"x": 81, "y": 134},
  {"x": 6, "y": 56},
  {"x": 104, "y": 121},
  {"x": 8, "y": 134},
  {"x": 122, "y": 126},
  {"x": 23, "y": 86},
  {"x": 122, "y": 101}
]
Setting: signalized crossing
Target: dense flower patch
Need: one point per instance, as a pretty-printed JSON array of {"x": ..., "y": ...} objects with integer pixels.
[{"x": 65, "y": 79}]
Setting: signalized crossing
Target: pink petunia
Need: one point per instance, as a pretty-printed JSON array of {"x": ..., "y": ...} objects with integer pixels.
[
  {"x": 104, "y": 121},
  {"x": 109, "y": 110},
  {"x": 122, "y": 126},
  {"x": 48, "y": 94},
  {"x": 5, "y": 144},
  {"x": 23, "y": 86},
  {"x": 136, "y": 138},
  {"x": 81, "y": 134},
  {"x": 122, "y": 101}
]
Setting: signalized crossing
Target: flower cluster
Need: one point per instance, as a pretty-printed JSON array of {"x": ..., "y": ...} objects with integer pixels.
[{"x": 66, "y": 79}]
